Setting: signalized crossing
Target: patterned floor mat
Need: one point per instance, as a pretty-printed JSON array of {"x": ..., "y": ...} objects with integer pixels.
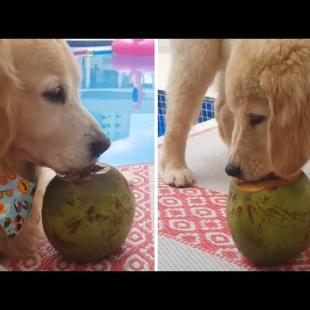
[
  {"x": 192, "y": 222},
  {"x": 196, "y": 217},
  {"x": 136, "y": 254}
]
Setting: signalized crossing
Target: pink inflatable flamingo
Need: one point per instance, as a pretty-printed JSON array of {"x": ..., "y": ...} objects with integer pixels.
[
  {"x": 136, "y": 67},
  {"x": 133, "y": 47}
]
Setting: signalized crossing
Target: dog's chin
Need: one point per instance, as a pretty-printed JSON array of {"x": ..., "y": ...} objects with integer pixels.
[
  {"x": 268, "y": 177},
  {"x": 62, "y": 170},
  {"x": 70, "y": 171},
  {"x": 77, "y": 173}
]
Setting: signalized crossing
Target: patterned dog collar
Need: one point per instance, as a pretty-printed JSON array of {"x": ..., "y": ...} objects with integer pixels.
[{"x": 16, "y": 194}]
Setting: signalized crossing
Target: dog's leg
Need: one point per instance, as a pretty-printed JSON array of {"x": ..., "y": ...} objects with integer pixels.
[
  {"x": 194, "y": 65},
  {"x": 225, "y": 120},
  {"x": 223, "y": 115}
]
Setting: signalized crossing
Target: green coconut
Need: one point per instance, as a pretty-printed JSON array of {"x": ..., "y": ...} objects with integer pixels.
[
  {"x": 270, "y": 221},
  {"x": 88, "y": 218}
]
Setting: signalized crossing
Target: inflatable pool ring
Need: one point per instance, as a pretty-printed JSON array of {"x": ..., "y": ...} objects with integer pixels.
[
  {"x": 130, "y": 63},
  {"x": 133, "y": 47}
]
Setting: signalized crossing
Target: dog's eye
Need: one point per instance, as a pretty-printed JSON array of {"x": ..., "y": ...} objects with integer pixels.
[
  {"x": 256, "y": 119},
  {"x": 55, "y": 95}
]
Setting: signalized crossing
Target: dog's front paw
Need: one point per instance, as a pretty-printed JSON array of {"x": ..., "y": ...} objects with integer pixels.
[{"x": 178, "y": 177}]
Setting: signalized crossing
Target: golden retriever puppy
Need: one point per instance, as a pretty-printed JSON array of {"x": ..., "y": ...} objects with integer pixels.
[
  {"x": 42, "y": 124},
  {"x": 262, "y": 109}
]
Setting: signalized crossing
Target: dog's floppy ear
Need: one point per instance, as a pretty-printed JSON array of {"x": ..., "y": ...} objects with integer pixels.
[
  {"x": 7, "y": 83},
  {"x": 288, "y": 136}
]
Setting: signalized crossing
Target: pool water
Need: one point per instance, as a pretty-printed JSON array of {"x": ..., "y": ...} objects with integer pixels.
[{"x": 119, "y": 93}]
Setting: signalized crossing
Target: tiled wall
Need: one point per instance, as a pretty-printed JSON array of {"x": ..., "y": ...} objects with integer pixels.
[{"x": 206, "y": 112}]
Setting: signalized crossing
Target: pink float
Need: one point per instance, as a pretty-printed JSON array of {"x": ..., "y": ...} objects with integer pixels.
[
  {"x": 130, "y": 63},
  {"x": 133, "y": 47},
  {"x": 135, "y": 67}
]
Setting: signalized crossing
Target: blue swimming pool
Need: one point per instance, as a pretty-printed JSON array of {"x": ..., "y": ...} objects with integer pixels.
[{"x": 119, "y": 93}]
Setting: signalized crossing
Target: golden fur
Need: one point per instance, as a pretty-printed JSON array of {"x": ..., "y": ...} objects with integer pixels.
[
  {"x": 36, "y": 133},
  {"x": 267, "y": 77}
]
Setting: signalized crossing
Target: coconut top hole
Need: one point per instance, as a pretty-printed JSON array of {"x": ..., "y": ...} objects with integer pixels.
[
  {"x": 267, "y": 183},
  {"x": 98, "y": 168},
  {"x": 87, "y": 172},
  {"x": 95, "y": 168}
]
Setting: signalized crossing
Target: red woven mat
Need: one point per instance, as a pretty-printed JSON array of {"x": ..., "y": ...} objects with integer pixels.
[
  {"x": 136, "y": 254},
  {"x": 196, "y": 217}
]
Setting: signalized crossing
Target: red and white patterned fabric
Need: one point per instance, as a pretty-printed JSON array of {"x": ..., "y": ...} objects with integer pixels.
[
  {"x": 136, "y": 254},
  {"x": 196, "y": 217},
  {"x": 193, "y": 231}
]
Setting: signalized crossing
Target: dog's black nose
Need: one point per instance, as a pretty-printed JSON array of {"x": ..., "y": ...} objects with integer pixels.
[
  {"x": 99, "y": 146},
  {"x": 233, "y": 170}
]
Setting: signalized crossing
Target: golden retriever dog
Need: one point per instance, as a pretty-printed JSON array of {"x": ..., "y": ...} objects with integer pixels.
[
  {"x": 42, "y": 124},
  {"x": 262, "y": 108}
]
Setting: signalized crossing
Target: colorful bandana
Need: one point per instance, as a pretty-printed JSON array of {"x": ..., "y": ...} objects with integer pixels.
[{"x": 16, "y": 194}]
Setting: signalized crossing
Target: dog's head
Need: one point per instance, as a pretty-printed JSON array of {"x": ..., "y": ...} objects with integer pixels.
[
  {"x": 41, "y": 116},
  {"x": 268, "y": 92}
]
